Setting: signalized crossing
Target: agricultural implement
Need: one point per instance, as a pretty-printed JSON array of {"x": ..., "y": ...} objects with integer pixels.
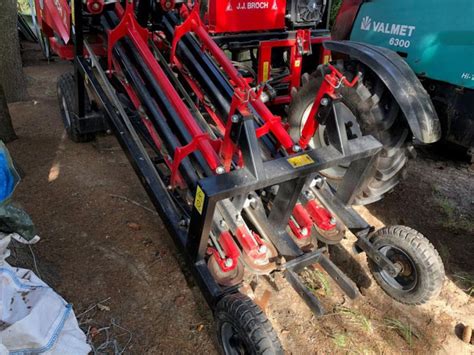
[{"x": 240, "y": 194}]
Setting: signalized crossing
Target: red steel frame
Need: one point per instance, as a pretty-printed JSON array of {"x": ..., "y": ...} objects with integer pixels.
[
  {"x": 201, "y": 141},
  {"x": 243, "y": 92},
  {"x": 329, "y": 86},
  {"x": 301, "y": 44},
  {"x": 214, "y": 150},
  {"x": 302, "y": 219}
]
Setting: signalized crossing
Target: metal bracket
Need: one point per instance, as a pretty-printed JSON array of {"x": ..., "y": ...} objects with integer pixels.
[
  {"x": 339, "y": 136},
  {"x": 381, "y": 260},
  {"x": 293, "y": 267}
]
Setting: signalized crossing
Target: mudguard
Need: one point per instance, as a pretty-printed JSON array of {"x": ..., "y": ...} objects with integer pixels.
[{"x": 402, "y": 82}]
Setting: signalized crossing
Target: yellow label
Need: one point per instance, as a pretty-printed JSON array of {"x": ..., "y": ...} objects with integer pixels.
[
  {"x": 300, "y": 160},
  {"x": 199, "y": 199},
  {"x": 265, "y": 71},
  {"x": 72, "y": 13},
  {"x": 297, "y": 63},
  {"x": 326, "y": 59}
]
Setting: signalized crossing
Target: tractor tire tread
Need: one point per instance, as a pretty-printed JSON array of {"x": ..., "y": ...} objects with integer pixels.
[{"x": 384, "y": 123}]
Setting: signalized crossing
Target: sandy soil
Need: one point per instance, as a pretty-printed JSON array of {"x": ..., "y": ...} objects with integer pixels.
[{"x": 97, "y": 248}]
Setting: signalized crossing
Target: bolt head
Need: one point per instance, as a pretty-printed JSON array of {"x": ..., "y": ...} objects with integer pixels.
[
  {"x": 262, "y": 249},
  {"x": 220, "y": 170},
  {"x": 304, "y": 231},
  {"x": 332, "y": 221},
  {"x": 318, "y": 182},
  {"x": 324, "y": 101},
  {"x": 228, "y": 262},
  {"x": 95, "y": 6},
  {"x": 296, "y": 148},
  {"x": 235, "y": 118}
]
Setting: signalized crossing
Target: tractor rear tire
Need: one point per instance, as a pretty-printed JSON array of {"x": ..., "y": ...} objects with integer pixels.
[
  {"x": 422, "y": 272},
  {"x": 68, "y": 107},
  {"x": 243, "y": 328},
  {"x": 377, "y": 114}
]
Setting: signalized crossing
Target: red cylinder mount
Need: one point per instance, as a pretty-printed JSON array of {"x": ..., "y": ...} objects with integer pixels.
[
  {"x": 231, "y": 252},
  {"x": 320, "y": 216},
  {"x": 301, "y": 222},
  {"x": 167, "y": 5},
  {"x": 95, "y": 7}
]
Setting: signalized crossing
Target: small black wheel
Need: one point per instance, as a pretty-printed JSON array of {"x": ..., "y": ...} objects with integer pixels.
[
  {"x": 68, "y": 108},
  {"x": 376, "y": 113},
  {"x": 422, "y": 271},
  {"x": 242, "y": 327}
]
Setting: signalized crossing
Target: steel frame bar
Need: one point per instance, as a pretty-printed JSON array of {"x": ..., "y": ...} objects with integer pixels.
[
  {"x": 274, "y": 172},
  {"x": 194, "y": 25},
  {"x": 129, "y": 27},
  {"x": 158, "y": 120},
  {"x": 150, "y": 179},
  {"x": 78, "y": 39},
  {"x": 352, "y": 220},
  {"x": 293, "y": 267},
  {"x": 253, "y": 39}
]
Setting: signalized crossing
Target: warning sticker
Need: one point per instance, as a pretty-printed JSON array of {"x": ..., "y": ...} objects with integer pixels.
[
  {"x": 265, "y": 71},
  {"x": 300, "y": 160},
  {"x": 73, "y": 14},
  {"x": 199, "y": 199}
]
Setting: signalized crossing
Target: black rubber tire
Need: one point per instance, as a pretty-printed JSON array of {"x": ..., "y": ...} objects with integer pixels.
[
  {"x": 238, "y": 314},
  {"x": 67, "y": 106},
  {"x": 377, "y": 114},
  {"x": 422, "y": 255}
]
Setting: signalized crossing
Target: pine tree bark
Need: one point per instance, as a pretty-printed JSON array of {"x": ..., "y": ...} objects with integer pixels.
[
  {"x": 11, "y": 70},
  {"x": 7, "y": 133}
]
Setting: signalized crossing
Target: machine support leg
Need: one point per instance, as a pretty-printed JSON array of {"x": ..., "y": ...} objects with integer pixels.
[
  {"x": 251, "y": 149},
  {"x": 200, "y": 225},
  {"x": 285, "y": 200},
  {"x": 78, "y": 38},
  {"x": 354, "y": 179}
]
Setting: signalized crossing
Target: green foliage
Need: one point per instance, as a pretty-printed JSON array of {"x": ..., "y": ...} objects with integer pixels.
[
  {"x": 24, "y": 6},
  {"x": 404, "y": 329},
  {"x": 340, "y": 340},
  {"x": 466, "y": 281},
  {"x": 453, "y": 217},
  {"x": 355, "y": 317},
  {"x": 336, "y": 4},
  {"x": 317, "y": 282}
]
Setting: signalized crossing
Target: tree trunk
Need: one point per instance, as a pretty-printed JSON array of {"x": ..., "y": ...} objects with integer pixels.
[
  {"x": 11, "y": 71},
  {"x": 7, "y": 134}
]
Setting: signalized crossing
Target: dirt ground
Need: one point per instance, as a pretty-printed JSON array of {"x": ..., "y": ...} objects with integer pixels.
[{"x": 116, "y": 263}]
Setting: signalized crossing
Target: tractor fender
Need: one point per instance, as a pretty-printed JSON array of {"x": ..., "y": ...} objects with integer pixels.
[{"x": 401, "y": 81}]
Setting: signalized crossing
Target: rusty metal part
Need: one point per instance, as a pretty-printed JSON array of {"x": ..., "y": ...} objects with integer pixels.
[
  {"x": 331, "y": 236},
  {"x": 306, "y": 244},
  {"x": 261, "y": 266},
  {"x": 229, "y": 278}
]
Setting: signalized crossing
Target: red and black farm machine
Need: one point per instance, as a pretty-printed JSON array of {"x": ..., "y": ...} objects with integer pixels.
[{"x": 253, "y": 134}]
